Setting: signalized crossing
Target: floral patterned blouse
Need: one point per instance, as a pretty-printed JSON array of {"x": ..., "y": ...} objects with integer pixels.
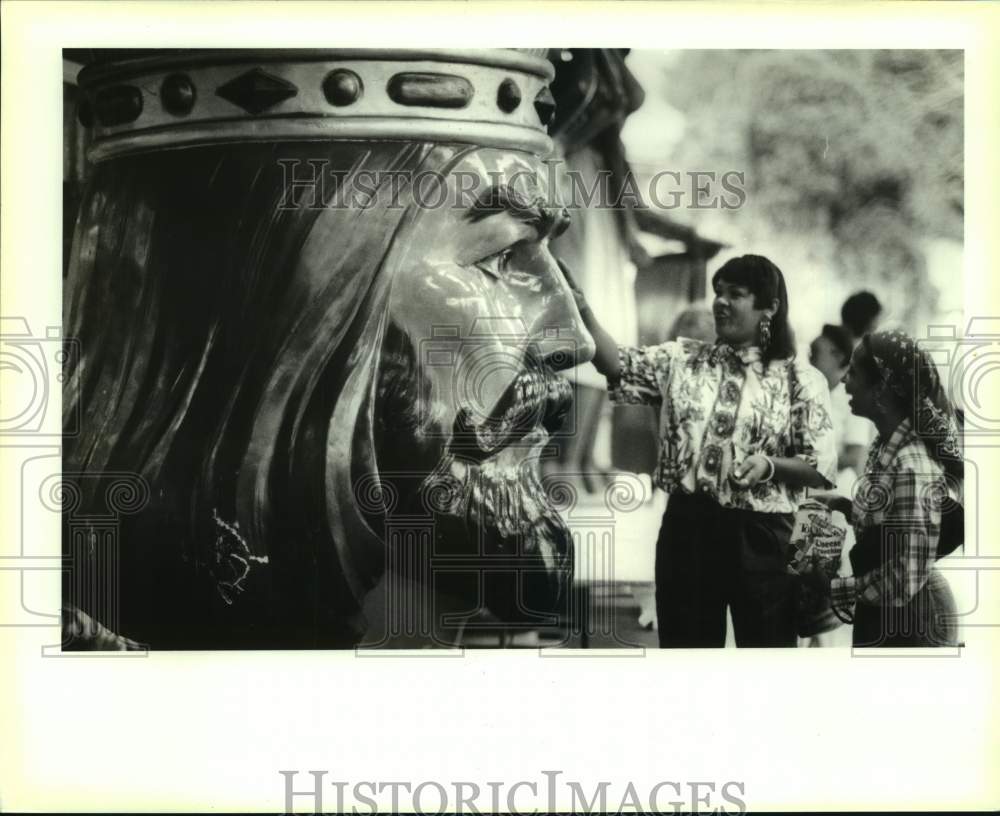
[{"x": 718, "y": 405}]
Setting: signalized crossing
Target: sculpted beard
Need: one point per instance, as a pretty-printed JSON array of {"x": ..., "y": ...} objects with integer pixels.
[{"x": 506, "y": 546}]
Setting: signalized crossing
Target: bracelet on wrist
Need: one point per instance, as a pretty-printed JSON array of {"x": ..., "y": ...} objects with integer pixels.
[{"x": 770, "y": 473}]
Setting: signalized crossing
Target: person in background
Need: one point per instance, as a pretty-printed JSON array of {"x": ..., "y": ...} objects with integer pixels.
[
  {"x": 744, "y": 429},
  {"x": 830, "y": 352},
  {"x": 696, "y": 322},
  {"x": 860, "y": 315},
  {"x": 897, "y": 595}
]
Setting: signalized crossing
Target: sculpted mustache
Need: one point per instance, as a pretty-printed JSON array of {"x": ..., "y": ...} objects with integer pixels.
[{"x": 535, "y": 398}]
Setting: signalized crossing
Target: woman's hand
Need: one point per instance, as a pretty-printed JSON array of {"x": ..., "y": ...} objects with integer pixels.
[
  {"x": 834, "y": 501},
  {"x": 606, "y": 353},
  {"x": 581, "y": 301},
  {"x": 753, "y": 470},
  {"x": 816, "y": 578}
]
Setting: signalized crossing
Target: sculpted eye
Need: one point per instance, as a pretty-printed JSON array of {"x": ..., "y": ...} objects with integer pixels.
[{"x": 496, "y": 265}]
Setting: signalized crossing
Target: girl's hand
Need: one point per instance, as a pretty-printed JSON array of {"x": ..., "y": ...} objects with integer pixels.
[
  {"x": 815, "y": 578},
  {"x": 753, "y": 470},
  {"x": 834, "y": 501}
]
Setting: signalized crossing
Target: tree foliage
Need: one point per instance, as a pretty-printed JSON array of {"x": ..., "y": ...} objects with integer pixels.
[{"x": 864, "y": 147}]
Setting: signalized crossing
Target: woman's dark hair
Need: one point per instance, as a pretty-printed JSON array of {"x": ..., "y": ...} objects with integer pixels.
[
  {"x": 766, "y": 284},
  {"x": 859, "y": 312},
  {"x": 841, "y": 340}
]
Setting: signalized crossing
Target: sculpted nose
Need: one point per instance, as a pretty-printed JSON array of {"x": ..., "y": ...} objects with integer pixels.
[{"x": 561, "y": 335}]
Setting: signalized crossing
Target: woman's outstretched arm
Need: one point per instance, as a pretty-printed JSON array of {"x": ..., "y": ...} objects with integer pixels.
[{"x": 606, "y": 356}]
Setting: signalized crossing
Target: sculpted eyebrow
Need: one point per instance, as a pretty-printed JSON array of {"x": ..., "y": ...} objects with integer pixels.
[{"x": 500, "y": 198}]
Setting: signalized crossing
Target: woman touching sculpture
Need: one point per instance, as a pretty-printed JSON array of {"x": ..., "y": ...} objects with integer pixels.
[{"x": 744, "y": 428}]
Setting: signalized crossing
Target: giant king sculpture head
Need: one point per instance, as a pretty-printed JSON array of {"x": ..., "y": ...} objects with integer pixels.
[{"x": 319, "y": 320}]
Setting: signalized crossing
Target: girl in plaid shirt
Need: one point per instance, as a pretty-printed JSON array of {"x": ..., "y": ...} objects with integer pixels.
[{"x": 897, "y": 596}]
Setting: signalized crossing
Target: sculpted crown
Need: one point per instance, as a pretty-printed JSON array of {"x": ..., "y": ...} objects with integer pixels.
[{"x": 152, "y": 101}]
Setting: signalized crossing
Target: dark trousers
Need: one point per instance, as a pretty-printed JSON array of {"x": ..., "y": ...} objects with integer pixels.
[{"x": 709, "y": 558}]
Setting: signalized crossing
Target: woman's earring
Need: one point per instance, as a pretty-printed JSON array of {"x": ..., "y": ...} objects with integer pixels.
[{"x": 765, "y": 331}]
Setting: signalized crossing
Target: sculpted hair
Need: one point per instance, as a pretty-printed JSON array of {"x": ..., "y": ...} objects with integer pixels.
[{"x": 229, "y": 349}]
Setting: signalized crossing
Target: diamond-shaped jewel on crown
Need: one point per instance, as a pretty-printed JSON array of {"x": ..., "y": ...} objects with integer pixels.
[
  {"x": 491, "y": 97},
  {"x": 256, "y": 91}
]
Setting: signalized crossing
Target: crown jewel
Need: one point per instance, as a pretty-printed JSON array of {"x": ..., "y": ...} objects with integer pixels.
[{"x": 496, "y": 97}]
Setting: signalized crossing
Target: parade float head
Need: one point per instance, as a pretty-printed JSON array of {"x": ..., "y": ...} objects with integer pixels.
[{"x": 318, "y": 317}]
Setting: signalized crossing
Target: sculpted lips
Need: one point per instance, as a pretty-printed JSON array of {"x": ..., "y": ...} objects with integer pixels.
[{"x": 536, "y": 398}]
